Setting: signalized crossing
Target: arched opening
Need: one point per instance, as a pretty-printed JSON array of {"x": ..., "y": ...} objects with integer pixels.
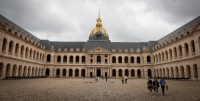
[
  {"x": 180, "y": 50},
  {"x": 33, "y": 71},
  {"x": 20, "y": 71},
  {"x": 14, "y": 73},
  {"x": 77, "y": 59},
  {"x": 83, "y": 72},
  {"x": 64, "y": 72},
  {"x": 139, "y": 73},
  {"x": 132, "y": 73},
  {"x": 188, "y": 71},
  {"x": 170, "y": 53},
  {"x": 30, "y": 54},
  {"x": 65, "y": 59},
  {"x": 99, "y": 72},
  {"x": 34, "y": 53},
  {"x": 186, "y": 49},
  {"x": 175, "y": 52},
  {"x": 22, "y": 51},
  {"x": 1, "y": 69},
  {"x": 16, "y": 48},
  {"x": 98, "y": 59},
  {"x": 132, "y": 59},
  {"x": 57, "y": 72},
  {"x": 126, "y": 59},
  {"x": 71, "y": 59},
  {"x": 47, "y": 72},
  {"x": 126, "y": 73},
  {"x": 167, "y": 72},
  {"x": 163, "y": 72},
  {"x": 58, "y": 58},
  {"x": 148, "y": 59},
  {"x": 192, "y": 46},
  {"x": 120, "y": 73},
  {"x": 10, "y": 50},
  {"x": 195, "y": 71},
  {"x": 113, "y": 73},
  {"x": 8, "y": 69},
  {"x": 149, "y": 73},
  {"x": 70, "y": 72},
  {"x": 113, "y": 59},
  {"x": 26, "y": 54},
  {"x": 25, "y": 71},
  {"x": 138, "y": 59},
  {"x": 119, "y": 59},
  {"x": 182, "y": 72},
  {"x": 4, "y": 45},
  {"x": 83, "y": 59},
  {"x": 76, "y": 72},
  {"x": 172, "y": 72},
  {"x": 48, "y": 58},
  {"x": 166, "y": 53},
  {"x": 177, "y": 72}
]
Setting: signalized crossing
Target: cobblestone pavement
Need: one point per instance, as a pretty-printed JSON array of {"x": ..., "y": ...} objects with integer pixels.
[{"x": 78, "y": 89}]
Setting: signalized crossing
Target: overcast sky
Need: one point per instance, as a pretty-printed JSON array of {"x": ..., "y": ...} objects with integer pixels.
[{"x": 124, "y": 20}]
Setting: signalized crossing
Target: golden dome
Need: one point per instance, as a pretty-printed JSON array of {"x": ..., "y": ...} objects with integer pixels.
[{"x": 98, "y": 28}]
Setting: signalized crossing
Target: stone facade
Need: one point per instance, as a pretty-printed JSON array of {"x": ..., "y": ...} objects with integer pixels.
[{"x": 22, "y": 55}]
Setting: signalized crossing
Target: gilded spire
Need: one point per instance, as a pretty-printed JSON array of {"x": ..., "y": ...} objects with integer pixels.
[{"x": 99, "y": 24}]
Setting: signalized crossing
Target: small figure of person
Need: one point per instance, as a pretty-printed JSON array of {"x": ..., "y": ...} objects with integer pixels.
[
  {"x": 162, "y": 84},
  {"x": 155, "y": 85},
  {"x": 96, "y": 78},
  {"x": 125, "y": 78},
  {"x": 122, "y": 79},
  {"x": 149, "y": 85},
  {"x": 106, "y": 78}
]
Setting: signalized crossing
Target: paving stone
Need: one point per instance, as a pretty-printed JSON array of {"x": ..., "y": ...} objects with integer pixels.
[{"x": 76, "y": 89}]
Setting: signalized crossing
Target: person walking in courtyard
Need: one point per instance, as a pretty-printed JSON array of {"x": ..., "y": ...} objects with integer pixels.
[
  {"x": 155, "y": 85},
  {"x": 149, "y": 87},
  {"x": 106, "y": 78},
  {"x": 162, "y": 84},
  {"x": 122, "y": 79},
  {"x": 125, "y": 78},
  {"x": 96, "y": 78}
]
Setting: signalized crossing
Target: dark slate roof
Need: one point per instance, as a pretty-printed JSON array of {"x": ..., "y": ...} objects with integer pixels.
[
  {"x": 17, "y": 28},
  {"x": 186, "y": 27},
  {"x": 91, "y": 45}
]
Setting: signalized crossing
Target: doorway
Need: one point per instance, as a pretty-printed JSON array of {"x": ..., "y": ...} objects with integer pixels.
[{"x": 99, "y": 72}]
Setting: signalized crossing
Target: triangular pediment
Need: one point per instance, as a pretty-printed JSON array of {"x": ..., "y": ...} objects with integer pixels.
[{"x": 98, "y": 50}]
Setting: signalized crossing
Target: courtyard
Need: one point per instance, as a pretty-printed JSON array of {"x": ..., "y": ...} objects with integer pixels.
[{"x": 79, "y": 89}]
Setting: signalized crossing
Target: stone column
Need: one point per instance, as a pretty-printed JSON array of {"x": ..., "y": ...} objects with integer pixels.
[
  {"x": 61, "y": 71},
  {"x": 192, "y": 73},
  {"x": 136, "y": 75},
  {"x": 117, "y": 73},
  {"x": 26, "y": 72},
  {"x": 74, "y": 59},
  {"x": 79, "y": 73},
  {"x": 51, "y": 74},
  {"x": 190, "y": 50},
  {"x": 4, "y": 72},
  {"x": 198, "y": 70},
  {"x": 80, "y": 60},
  {"x": 185, "y": 72},
  {"x": 61, "y": 60},
  {"x": 68, "y": 59},
  {"x": 183, "y": 51},
  {"x": 1, "y": 42},
  {"x": 67, "y": 72},
  {"x": 129, "y": 73},
  {"x": 197, "y": 47},
  {"x": 19, "y": 51}
]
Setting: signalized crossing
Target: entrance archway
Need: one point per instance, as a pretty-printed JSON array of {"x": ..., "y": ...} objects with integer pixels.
[
  {"x": 132, "y": 73},
  {"x": 47, "y": 72},
  {"x": 64, "y": 72},
  {"x": 120, "y": 73},
  {"x": 70, "y": 72},
  {"x": 76, "y": 72},
  {"x": 114, "y": 73},
  {"x": 126, "y": 72},
  {"x": 57, "y": 72},
  {"x": 149, "y": 73},
  {"x": 139, "y": 73},
  {"x": 99, "y": 72},
  {"x": 83, "y": 72}
]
